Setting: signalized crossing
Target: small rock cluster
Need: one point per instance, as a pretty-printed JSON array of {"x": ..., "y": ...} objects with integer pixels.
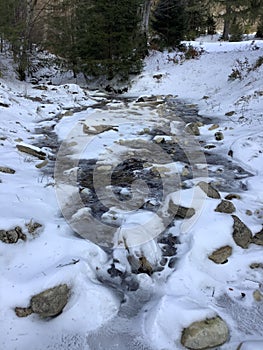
[{"x": 13, "y": 235}]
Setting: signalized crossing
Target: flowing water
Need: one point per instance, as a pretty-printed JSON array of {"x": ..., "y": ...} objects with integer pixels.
[{"x": 124, "y": 330}]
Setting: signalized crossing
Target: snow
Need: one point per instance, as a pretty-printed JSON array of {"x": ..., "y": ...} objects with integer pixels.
[{"x": 181, "y": 296}]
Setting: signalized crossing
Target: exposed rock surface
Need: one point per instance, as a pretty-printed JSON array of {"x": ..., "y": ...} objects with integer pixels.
[
  {"x": 258, "y": 238},
  {"x": 231, "y": 196},
  {"x": 32, "y": 226},
  {"x": 180, "y": 211},
  {"x": 48, "y": 303},
  {"x": 213, "y": 127},
  {"x": 209, "y": 190},
  {"x": 192, "y": 129},
  {"x": 256, "y": 266},
  {"x": 257, "y": 295},
  {"x": 140, "y": 265},
  {"x": 98, "y": 129},
  {"x": 32, "y": 151},
  {"x": 219, "y": 136},
  {"x": 6, "y": 170},
  {"x": 12, "y": 236},
  {"x": 205, "y": 334},
  {"x": 241, "y": 234},
  {"x": 225, "y": 207},
  {"x": 221, "y": 255}
]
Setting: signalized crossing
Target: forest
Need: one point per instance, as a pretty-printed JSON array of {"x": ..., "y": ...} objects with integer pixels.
[{"x": 111, "y": 37}]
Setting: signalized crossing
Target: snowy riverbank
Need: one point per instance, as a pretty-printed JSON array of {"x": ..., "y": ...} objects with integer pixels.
[{"x": 196, "y": 287}]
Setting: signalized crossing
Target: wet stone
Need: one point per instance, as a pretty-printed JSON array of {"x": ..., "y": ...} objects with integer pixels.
[
  {"x": 114, "y": 272},
  {"x": 219, "y": 136},
  {"x": 232, "y": 196},
  {"x": 168, "y": 250},
  {"x": 172, "y": 262},
  {"x": 169, "y": 240}
]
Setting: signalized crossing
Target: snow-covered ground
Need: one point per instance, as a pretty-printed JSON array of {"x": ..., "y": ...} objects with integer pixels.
[{"x": 53, "y": 254}]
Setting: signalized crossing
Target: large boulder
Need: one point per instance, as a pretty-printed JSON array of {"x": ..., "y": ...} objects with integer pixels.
[
  {"x": 205, "y": 334},
  {"x": 241, "y": 233}
]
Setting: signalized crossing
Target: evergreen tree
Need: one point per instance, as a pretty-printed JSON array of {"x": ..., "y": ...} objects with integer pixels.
[
  {"x": 169, "y": 21},
  {"x": 99, "y": 37},
  {"x": 109, "y": 37},
  {"x": 196, "y": 18},
  {"x": 238, "y": 15}
]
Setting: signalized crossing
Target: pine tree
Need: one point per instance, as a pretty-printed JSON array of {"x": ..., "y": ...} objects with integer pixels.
[
  {"x": 109, "y": 39},
  {"x": 237, "y": 15},
  {"x": 169, "y": 21}
]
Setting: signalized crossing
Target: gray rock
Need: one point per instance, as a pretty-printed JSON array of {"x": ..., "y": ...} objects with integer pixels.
[
  {"x": 213, "y": 127},
  {"x": 256, "y": 266},
  {"x": 180, "y": 211},
  {"x": 205, "y": 334},
  {"x": 50, "y": 302},
  {"x": 6, "y": 170},
  {"x": 23, "y": 311},
  {"x": 32, "y": 151},
  {"x": 32, "y": 226},
  {"x": 192, "y": 129},
  {"x": 221, "y": 255},
  {"x": 257, "y": 295},
  {"x": 12, "y": 236},
  {"x": 219, "y": 136},
  {"x": 258, "y": 238},
  {"x": 241, "y": 233},
  {"x": 140, "y": 265},
  {"x": 225, "y": 207},
  {"x": 42, "y": 164},
  {"x": 231, "y": 196},
  {"x": 209, "y": 190}
]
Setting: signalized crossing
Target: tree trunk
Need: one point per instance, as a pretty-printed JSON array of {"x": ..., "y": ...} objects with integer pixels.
[
  {"x": 227, "y": 22},
  {"x": 146, "y": 11}
]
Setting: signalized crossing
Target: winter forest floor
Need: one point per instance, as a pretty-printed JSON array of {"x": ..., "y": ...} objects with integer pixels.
[{"x": 101, "y": 194}]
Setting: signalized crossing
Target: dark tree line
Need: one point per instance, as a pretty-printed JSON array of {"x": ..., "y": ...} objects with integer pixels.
[
  {"x": 177, "y": 20},
  {"x": 109, "y": 37}
]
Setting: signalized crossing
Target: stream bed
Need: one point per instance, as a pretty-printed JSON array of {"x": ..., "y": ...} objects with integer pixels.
[{"x": 132, "y": 173}]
